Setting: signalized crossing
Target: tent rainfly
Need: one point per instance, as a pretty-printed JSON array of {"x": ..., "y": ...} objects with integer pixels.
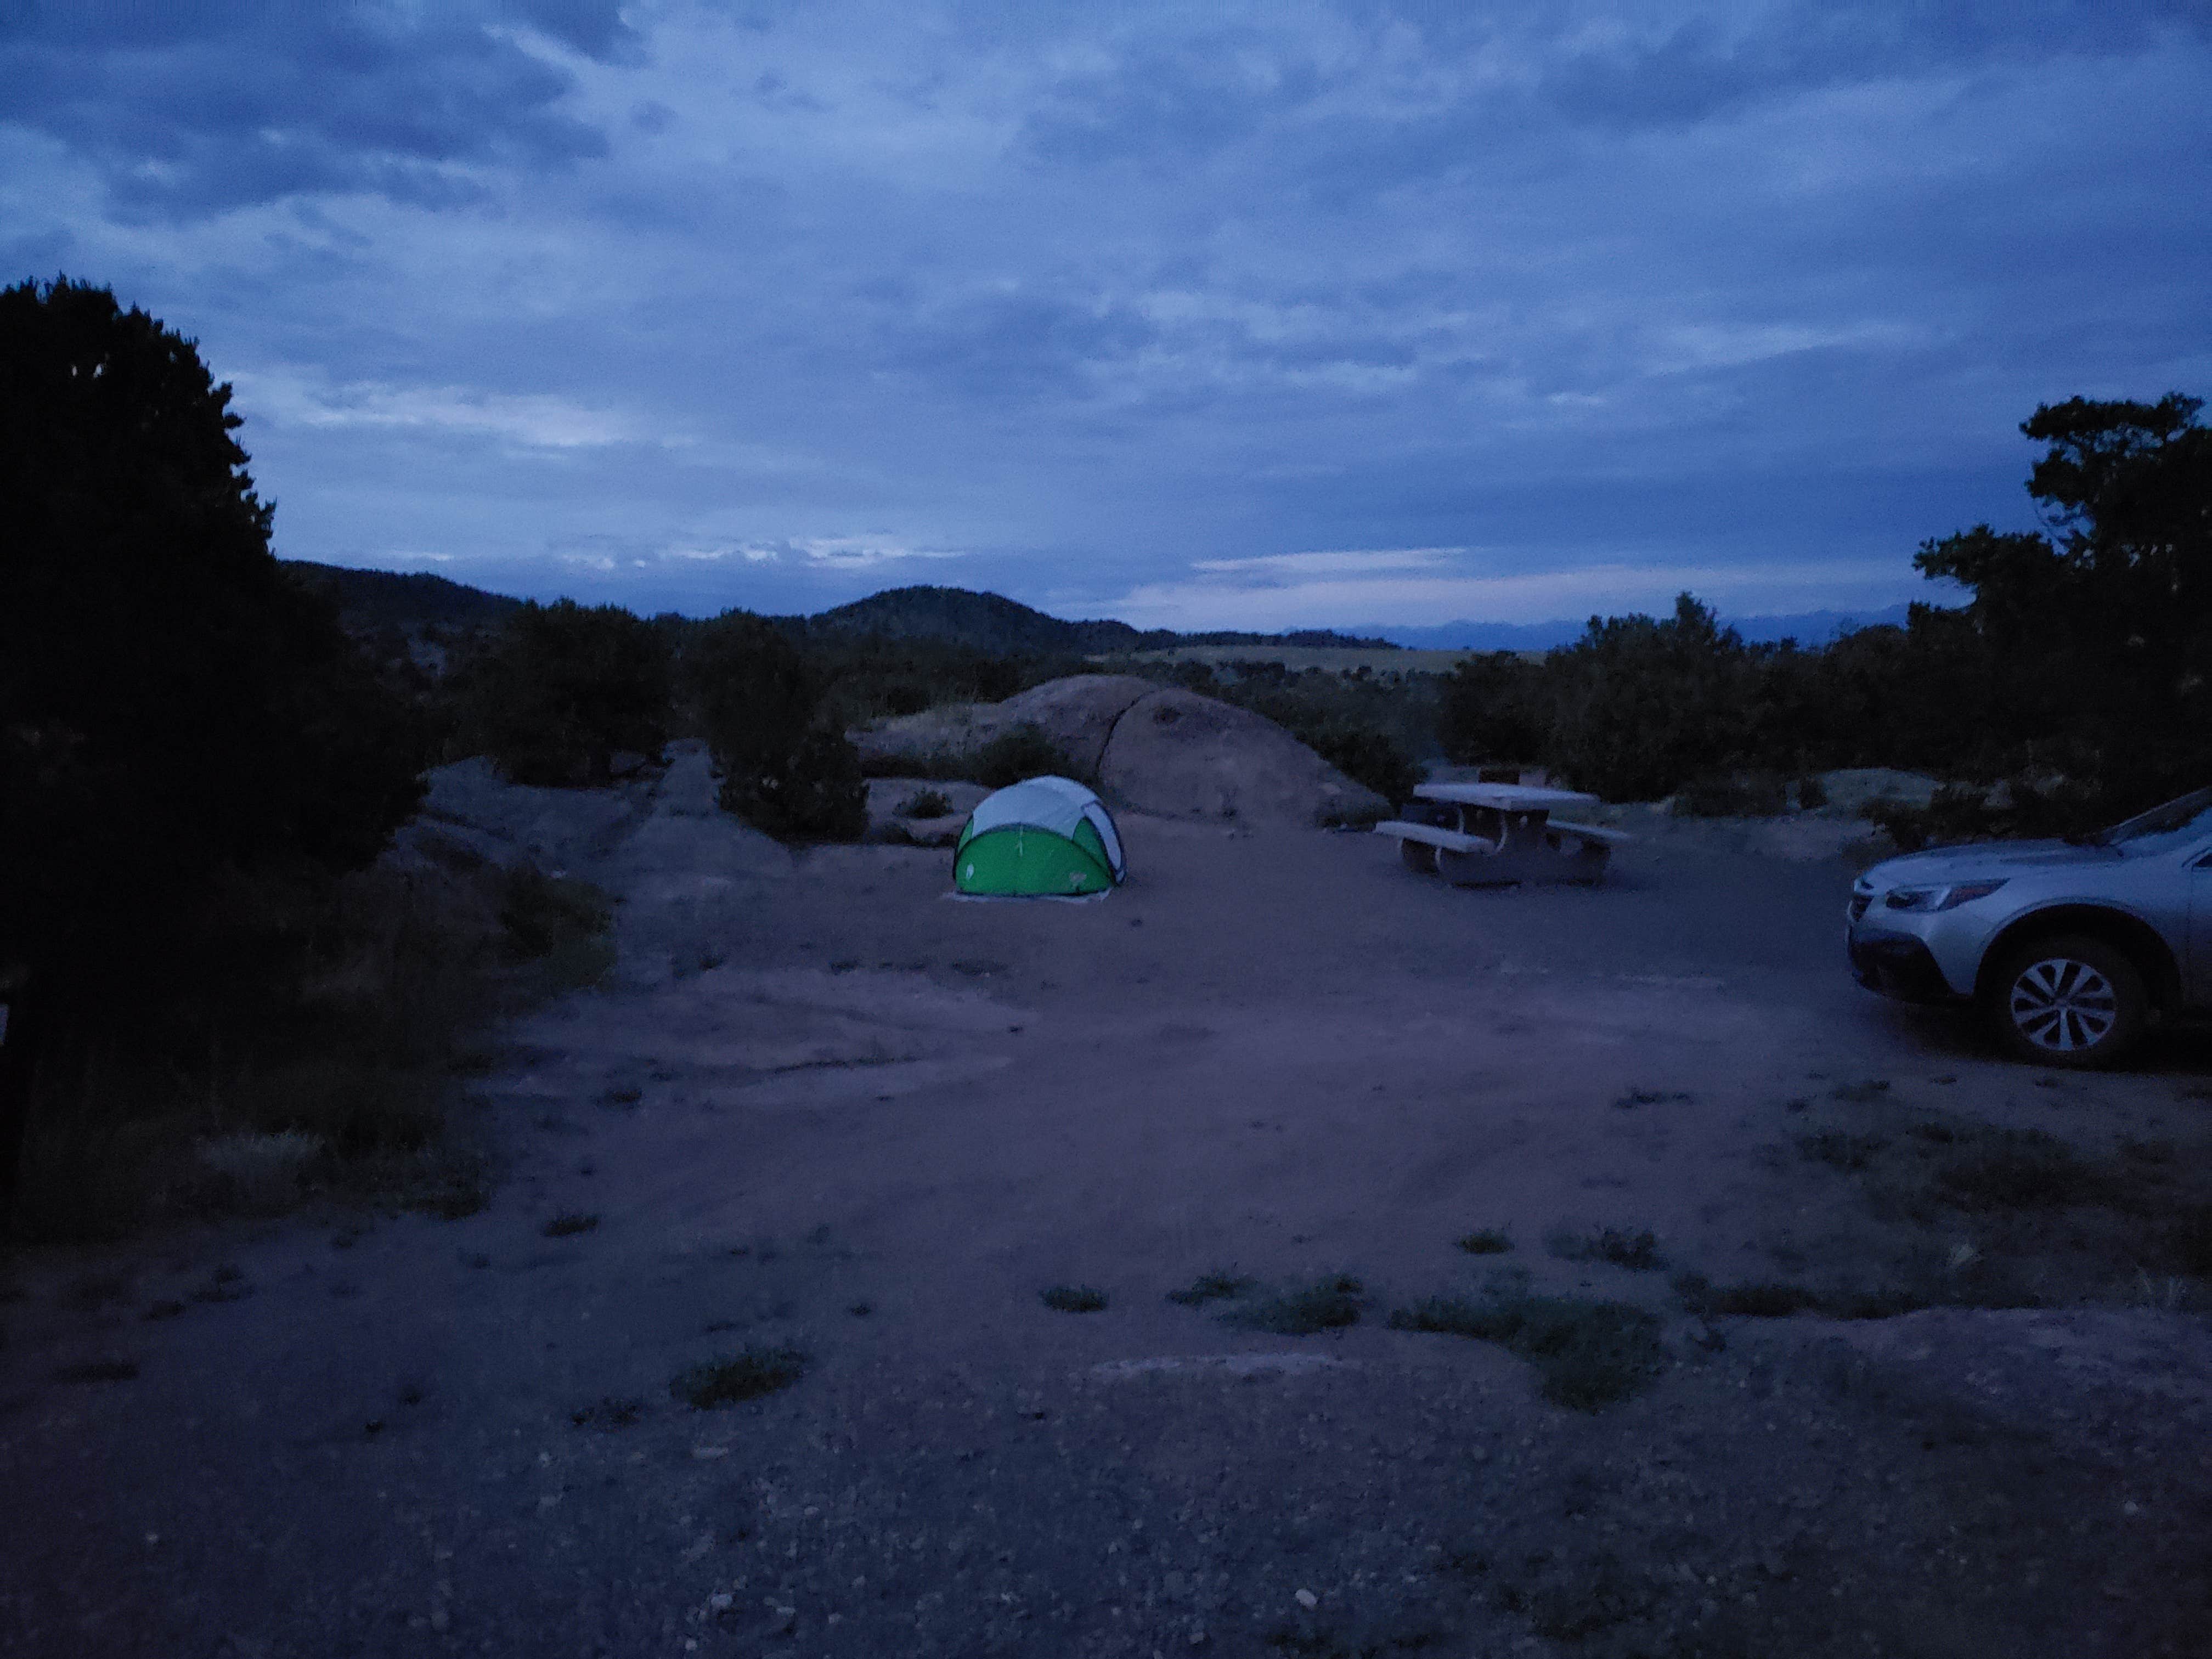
[{"x": 1043, "y": 837}]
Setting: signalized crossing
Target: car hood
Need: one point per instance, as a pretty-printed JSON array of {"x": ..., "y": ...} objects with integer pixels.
[{"x": 1983, "y": 860}]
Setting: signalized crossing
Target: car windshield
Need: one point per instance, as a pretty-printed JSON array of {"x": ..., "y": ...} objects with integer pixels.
[{"x": 2163, "y": 827}]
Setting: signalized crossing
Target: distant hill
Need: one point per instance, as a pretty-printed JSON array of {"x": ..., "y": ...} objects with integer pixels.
[
  {"x": 991, "y": 621},
  {"x": 371, "y": 599}
]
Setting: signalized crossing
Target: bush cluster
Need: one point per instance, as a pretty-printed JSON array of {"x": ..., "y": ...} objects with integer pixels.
[
  {"x": 563, "y": 689},
  {"x": 757, "y": 703}
]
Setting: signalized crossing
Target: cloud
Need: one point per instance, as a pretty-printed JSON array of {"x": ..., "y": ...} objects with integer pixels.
[
  {"x": 1297, "y": 566},
  {"x": 532, "y": 421},
  {"x": 187, "y": 111}
]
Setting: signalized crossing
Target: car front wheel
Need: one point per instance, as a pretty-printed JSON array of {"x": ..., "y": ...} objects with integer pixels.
[{"x": 2068, "y": 1001}]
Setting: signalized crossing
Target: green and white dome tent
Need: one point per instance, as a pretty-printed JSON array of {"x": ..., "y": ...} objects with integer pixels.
[{"x": 1040, "y": 838}]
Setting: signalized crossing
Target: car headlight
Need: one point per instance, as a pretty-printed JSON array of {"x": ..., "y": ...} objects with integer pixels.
[{"x": 1948, "y": 898}]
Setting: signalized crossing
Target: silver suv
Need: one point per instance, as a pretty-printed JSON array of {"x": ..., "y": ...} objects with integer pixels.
[{"x": 2073, "y": 948}]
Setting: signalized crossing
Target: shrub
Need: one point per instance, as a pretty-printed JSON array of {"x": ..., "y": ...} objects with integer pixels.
[
  {"x": 1073, "y": 1298},
  {"x": 1494, "y": 707},
  {"x": 814, "y": 792},
  {"x": 746, "y": 1376},
  {"x": 1732, "y": 795},
  {"x": 925, "y": 803},
  {"x": 1811, "y": 792},
  {"x": 1367, "y": 754},
  {"x": 1325, "y": 1304},
  {"x": 564, "y": 688},
  {"x": 757, "y": 706},
  {"x": 1590, "y": 1353},
  {"x": 1022, "y": 751},
  {"x": 1218, "y": 1286},
  {"x": 1487, "y": 1241}
]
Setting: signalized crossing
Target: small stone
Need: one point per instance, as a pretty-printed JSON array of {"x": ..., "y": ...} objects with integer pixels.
[
  {"x": 1307, "y": 1599},
  {"x": 720, "y": 1600}
]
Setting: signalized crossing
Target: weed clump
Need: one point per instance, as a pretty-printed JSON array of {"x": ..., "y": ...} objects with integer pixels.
[
  {"x": 1485, "y": 1241},
  {"x": 1634, "y": 1097},
  {"x": 925, "y": 803},
  {"x": 99, "y": 1371},
  {"x": 746, "y": 1376},
  {"x": 1073, "y": 1298},
  {"x": 1590, "y": 1353},
  {"x": 1840, "y": 1151},
  {"x": 1212, "y": 1287},
  {"x": 1759, "y": 1300},
  {"x": 1326, "y": 1304},
  {"x": 611, "y": 1412},
  {"x": 1639, "y": 1251},
  {"x": 2017, "y": 1168},
  {"x": 569, "y": 1224}
]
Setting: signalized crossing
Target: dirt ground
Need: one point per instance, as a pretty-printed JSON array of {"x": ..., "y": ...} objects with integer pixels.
[{"x": 820, "y": 1107}]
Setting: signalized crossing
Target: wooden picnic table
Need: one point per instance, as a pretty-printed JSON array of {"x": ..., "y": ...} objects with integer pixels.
[{"x": 1497, "y": 832}]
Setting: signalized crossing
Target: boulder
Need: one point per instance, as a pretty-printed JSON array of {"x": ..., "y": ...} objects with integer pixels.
[
  {"x": 1181, "y": 755},
  {"x": 1077, "y": 713},
  {"x": 1153, "y": 748}
]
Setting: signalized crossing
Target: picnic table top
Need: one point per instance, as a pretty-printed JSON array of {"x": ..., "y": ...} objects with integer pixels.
[{"x": 1505, "y": 797}]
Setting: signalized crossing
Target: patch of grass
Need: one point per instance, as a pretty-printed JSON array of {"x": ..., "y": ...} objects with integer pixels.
[
  {"x": 1590, "y": 1353},
  {"x": 2017, "y": 1168},
  {"x": 1485, "y": 1241},
  {"x": 2188, "y": 1241},
  {"x": 925, "y": 803},
  {"x": 746, "y": 1376},
  {"x": 1862, "y": 1093},
  {"x": 164, "y": 1309},
  {"x": 1635, "y": 1097},
  {"x": 1751, "y": 1300},
  {"x": 1073, "y": 1298},
  {"x": 568, "y": 1223},
  {"x": 97, "y": 1291},
  {"x": 1840, "y": 1149},
  {"x": 611, "y": 1412},
  {"x": 1306, "y": 1310},
  {"x": 1572, "y": 1602},
  {"x": 1636, "y": 1250},
  {"x": 99, "y": 1371},
  {"x": 1218, "y": 1286}
]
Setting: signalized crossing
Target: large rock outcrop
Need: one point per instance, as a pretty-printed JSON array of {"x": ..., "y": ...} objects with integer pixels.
[{"x": 1154, "y": 748}]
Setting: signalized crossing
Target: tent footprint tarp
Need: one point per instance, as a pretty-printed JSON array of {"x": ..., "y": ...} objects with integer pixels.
[{"x": 1043, "y": 837}]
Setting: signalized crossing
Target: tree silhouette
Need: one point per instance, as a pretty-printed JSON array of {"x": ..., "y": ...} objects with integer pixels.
[
  {"x": 758, "y": 706},
  {"x": 565, "y": 688},
  {"x": 172, "y": 707},
  {"x": 2102, "y": 628}
]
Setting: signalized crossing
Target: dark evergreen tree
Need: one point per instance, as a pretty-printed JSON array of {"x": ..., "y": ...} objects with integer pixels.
[
  {"x": 565, "y": 688},
  {"x": 784, "y": 770},
  {"x": 2101, "y": 631},
  {"x": 174, "y": 708}
]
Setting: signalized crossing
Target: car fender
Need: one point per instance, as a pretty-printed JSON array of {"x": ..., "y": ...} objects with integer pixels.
[{"x": 2099, "y": 918}]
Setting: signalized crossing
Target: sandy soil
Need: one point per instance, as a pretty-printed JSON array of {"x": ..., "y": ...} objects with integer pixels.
[{"x": 819, "y": 1106}]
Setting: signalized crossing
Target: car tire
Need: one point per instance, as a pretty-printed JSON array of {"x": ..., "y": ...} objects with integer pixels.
[{"x": 2067, "y": 1001}]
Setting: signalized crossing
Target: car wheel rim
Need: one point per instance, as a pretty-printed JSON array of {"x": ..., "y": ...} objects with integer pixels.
[{"x": 2064, "y": 1005}]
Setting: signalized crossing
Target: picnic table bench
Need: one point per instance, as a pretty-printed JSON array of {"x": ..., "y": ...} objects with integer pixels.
[{"x": 1490, "y": 834}]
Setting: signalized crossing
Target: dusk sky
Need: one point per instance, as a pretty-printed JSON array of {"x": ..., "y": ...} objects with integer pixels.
[{"x": 1196, "y": 315}]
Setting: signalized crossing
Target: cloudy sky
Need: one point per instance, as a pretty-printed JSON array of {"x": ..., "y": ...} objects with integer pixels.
[{"x": 1195, "y": 314}]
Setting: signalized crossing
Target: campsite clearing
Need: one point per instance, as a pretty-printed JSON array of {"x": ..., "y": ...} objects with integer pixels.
[{"x": 841, "y": 1135}]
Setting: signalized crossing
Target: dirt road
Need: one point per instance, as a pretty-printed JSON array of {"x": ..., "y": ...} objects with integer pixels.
[{"x": 819, "y": 1109}]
